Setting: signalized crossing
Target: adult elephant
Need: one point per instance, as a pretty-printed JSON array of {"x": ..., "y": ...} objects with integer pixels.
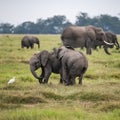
[
  {"x": 74, "y": 64},
  {"x": 48, "y": 62},
  {"x": 111, "y": 38},
  {"x": 28, "y": 41},
  {"x": 83, "y": 36}
]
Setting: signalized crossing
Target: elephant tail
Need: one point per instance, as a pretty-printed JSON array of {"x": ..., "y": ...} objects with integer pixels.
[{"x": 83, "y": 70}]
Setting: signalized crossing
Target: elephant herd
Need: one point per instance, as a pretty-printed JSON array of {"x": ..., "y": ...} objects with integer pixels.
[
  {"x": 89, "y": 37},
  {"x": 65, "y": 60}
]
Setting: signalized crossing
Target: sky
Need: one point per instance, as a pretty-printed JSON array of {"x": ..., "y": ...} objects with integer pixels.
[{"x": 18, "y": 11}]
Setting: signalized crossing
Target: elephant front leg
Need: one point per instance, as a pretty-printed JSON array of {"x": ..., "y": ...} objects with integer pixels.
[
  {"x": 41, "y": 76},
  {"x": 40, "y": 80},
  {"x": 88, "y": 45},
  {"x": 46, "y": 77},
  {"x": 48, "y": 72}
]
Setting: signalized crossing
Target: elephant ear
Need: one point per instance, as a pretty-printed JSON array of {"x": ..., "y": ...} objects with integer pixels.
[
  {"x": 109, "y": 38},
  {"x": 44, "y": 55},
  {"x": 91, "y": 32},
  {"x": 99, "y": 33}
]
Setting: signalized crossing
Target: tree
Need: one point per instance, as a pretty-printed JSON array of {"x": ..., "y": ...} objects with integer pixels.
[
  {"x": 107, "y": 22},
  {"x": 40, "y": 25},
  {"x": 56, "y": 24},
  {"x": 83, "y": 19},
  {"x": 6, "y": 28},
  {"x": 26, "y": 27},
  {"x": 52, "y": 25}
]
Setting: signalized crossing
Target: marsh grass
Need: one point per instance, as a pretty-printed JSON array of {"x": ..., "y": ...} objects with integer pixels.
[{"x": 97, "y": 99}]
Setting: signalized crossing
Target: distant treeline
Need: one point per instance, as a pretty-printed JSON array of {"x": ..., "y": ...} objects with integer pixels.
[{"x": 56, "y": 24}]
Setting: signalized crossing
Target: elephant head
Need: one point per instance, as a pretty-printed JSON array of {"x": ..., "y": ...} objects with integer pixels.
[
  {"x": 36, "y": 40},
  {"x": 98, "y": 34},
  {"x": 112, "y": 38},
  {"x": 38, "y": 60}
]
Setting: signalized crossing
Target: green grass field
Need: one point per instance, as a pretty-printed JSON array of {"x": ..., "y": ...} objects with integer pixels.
[{"x": 97, "y": 99}]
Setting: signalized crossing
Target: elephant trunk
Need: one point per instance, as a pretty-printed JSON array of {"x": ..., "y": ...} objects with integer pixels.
[
  {"x": 34, "y": 73},
  {"x": 117, "y": 45}
]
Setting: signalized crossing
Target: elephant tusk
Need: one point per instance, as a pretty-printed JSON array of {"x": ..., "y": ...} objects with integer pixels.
[{"x": 108, "y": 43}]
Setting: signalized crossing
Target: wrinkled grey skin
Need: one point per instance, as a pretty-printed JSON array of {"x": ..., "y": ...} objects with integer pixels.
[
  {"x": 28, "y": 41},
  {"x": 74, "y": 64},
  {"x": 83, "y": 36},
  {"x": 111, "y": 38},
  {"x": 48, "y": 62}
]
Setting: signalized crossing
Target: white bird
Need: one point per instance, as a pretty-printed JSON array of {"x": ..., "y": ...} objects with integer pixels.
[{"x": 11, "y": 81}]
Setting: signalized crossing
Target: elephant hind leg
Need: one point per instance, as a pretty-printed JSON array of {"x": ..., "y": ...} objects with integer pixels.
[
  {"x": 65, "y": 74},
  {"x": 80, "y": 79},
  {"x": 72, "y": 80},
  {"x": 81, "y": 75},
  {"x": 61, "y": 81}
]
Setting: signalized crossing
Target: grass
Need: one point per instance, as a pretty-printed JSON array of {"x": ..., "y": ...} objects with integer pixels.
[{"x": 97, "y": 99}]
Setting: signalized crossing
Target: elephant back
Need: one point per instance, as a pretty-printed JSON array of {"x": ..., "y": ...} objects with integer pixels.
[{"x": 73, "y": 36}]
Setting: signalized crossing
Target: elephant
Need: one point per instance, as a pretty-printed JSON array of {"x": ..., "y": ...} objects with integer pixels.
[
  {"x": 73, "y": 64},
  {"x": 48, "y": 62},
  {"x": 111, "y": 38},
  {"x": 83, "y": 36},
  {"x": 28, "y": 41}
]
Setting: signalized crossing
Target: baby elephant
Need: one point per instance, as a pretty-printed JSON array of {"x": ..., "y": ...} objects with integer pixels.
[
  {"x": 28, "y": 41},
  {"x": 74, "y": 64},
  {"x": 48, "y": 62}
]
